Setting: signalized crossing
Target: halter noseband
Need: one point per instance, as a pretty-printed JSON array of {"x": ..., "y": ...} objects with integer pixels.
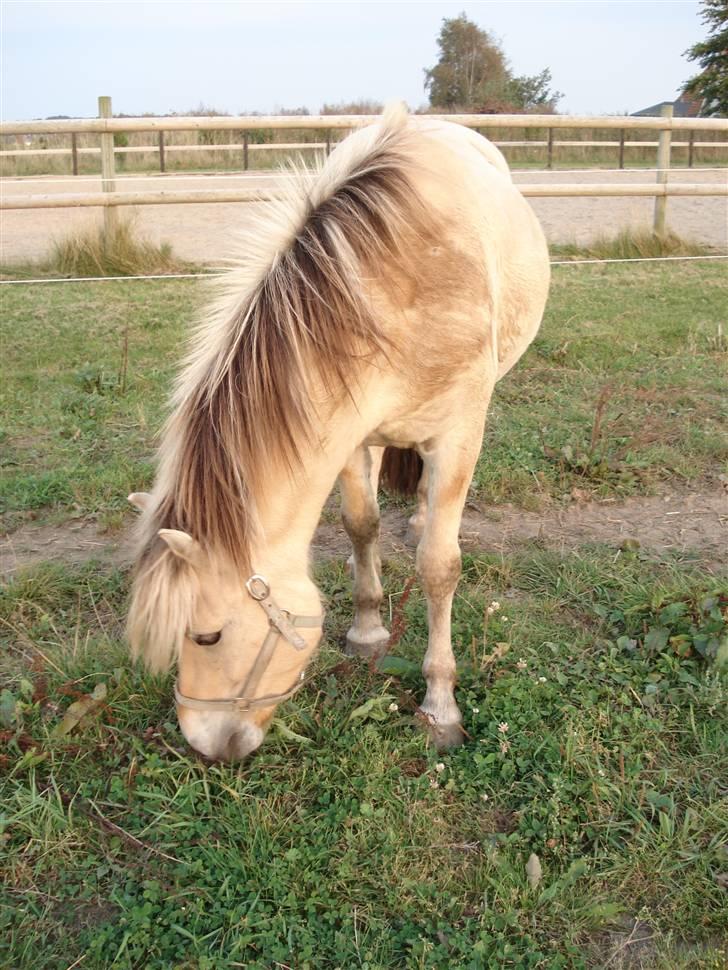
[{"x": 282, "y": 624}]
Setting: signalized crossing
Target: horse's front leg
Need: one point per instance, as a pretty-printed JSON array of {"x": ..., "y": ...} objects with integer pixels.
[
  {"x": 360, "y": 512},
  {"x": 450, "y": 464}
]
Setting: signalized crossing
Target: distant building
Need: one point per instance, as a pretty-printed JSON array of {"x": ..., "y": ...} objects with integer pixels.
[{"x": 686, "y": 106}]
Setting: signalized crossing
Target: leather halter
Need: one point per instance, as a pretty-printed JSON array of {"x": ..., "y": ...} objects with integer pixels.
[{"x": 282, "y": 624}]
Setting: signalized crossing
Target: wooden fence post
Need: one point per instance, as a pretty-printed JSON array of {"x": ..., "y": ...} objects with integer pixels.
[
  {"x": 108, "y": 184},
  {"x": 74, "y": 153},
  {"x": 691, "y": 149},
  {"x": 162, "y": 164},
  {"x": 550, "y": 150},
  {"x": 328, "y": 142},
  {"x": 663, "y": 165},
  {"x": 245, "y": 151},
  {"x": 621, "y": 148}
]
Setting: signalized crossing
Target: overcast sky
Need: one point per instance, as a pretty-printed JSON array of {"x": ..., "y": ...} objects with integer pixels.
[{"x": 57, "y": 57}]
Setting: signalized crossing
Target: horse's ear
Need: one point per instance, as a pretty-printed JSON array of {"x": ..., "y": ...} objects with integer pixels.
[
  {"x": 140, "y": 500},
  {"x": 182, "y": 545}
]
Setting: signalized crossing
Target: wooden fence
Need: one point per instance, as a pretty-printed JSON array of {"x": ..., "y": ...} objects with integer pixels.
[
  {"x": 245, "y": 148},
  {"x": 110, "y": 199}
]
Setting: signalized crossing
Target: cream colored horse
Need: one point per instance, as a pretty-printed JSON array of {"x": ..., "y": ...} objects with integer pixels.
[{"x": 377, "y": 304}]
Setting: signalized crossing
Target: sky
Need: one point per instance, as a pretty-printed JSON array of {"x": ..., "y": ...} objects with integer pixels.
[{"x": 57, "y": 57}]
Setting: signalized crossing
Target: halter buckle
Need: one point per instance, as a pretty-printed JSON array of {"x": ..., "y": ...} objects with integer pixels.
[{"x": 258, "y": 587}]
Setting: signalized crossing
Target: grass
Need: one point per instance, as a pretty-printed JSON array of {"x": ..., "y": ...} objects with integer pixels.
[
  {"x": 94, "y": 252},
  {"x": 621, "y": 391},
  {"x": 121, "y": 253},
  {"x": 632, "y": 244},
  {"x": 346, "y": 842},
  {"x": 86, "y": 369}
]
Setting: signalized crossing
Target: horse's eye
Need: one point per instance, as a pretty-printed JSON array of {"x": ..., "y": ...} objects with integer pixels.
[{"x": 206, "y": 639}]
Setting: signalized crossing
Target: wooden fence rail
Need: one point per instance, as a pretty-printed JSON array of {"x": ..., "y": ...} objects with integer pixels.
[
  {"x": 337, "y": 122},
  {"x": 161, "y": 149},
  {"x": 110, "y": 199},
  {"x": 114, "y": 199}
]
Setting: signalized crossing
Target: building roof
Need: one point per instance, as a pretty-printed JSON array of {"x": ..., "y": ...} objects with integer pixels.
[{"x": 686, "y": 106}]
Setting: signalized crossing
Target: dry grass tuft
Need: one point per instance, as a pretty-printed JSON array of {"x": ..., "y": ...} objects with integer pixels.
[
  {"x": 91, "y": 252},
  {"x": 632, "y": 244}
]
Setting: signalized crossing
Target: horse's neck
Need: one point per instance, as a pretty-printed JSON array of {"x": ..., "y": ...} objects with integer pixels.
[{"x": 289, "y": 507}]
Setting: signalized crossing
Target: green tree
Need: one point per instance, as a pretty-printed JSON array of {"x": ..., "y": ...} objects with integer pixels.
[
  {"x": 472, "y": 73},
  {"x": 711, "y": 83},
  {"x": 471, "y": 68},
  {"x": 528, "y": 92}
]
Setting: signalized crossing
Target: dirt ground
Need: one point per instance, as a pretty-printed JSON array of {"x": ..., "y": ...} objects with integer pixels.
[
  {"x": 206, "y": 233},
  {"x": 693, "y": 525}
]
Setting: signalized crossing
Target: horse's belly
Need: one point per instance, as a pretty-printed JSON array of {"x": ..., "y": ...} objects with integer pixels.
[{"x": 413, "y": 422}]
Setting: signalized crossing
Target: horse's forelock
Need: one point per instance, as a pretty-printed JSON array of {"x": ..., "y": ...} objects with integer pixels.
[{"x": 164, "y": 594}]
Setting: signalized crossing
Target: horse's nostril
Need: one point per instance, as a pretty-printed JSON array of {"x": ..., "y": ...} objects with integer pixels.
[{"x": 241, "y": 743}]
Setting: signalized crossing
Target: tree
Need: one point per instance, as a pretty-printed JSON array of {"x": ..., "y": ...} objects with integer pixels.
[
  {"x": 534, "y": 92},
  {"x": 471, "y": 68},
  {"x": 472, "y": 73},
  {"x": 361, "y": 107},
  {"x": 712, "y": 56}
]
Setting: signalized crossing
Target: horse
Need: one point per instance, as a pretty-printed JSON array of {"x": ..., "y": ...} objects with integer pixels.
[{"x": 376, "y": 302}]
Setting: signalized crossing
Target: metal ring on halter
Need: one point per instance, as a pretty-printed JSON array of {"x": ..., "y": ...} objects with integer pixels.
[{"x": 256, "y": 580}]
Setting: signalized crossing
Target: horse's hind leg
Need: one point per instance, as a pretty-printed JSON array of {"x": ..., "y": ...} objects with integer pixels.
[
  {"x": 376, "y": 454},
  {"x": 360, "y": 512},
  {"x": 416, "y": 524},
  {"x": 450, "y": 462}
]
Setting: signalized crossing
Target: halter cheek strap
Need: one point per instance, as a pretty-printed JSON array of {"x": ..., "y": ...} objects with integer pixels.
[{"x": 282, "y": 624}]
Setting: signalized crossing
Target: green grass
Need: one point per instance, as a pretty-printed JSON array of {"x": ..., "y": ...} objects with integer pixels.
[
  {"x": 622, "y": 390},
  {"x": 342, "y": 844},
  {"x": 639, "y": 347},
  {"x": 74, "y": 437}
]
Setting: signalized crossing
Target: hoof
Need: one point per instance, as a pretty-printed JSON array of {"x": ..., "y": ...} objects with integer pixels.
[
  {"x": 444, "y": 736},
  {"x": 415, "y": 528},
  {"x": 373, "y": 643}
]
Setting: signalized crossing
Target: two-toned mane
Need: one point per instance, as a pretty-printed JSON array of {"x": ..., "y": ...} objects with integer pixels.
[{"x": 376, "y": 303}]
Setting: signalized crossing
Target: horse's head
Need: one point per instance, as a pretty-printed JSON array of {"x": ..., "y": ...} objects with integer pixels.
[{"x": 241, "y": 643}]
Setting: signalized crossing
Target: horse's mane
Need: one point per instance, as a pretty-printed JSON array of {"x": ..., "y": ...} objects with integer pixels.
[{"x": 295, "y": 312}]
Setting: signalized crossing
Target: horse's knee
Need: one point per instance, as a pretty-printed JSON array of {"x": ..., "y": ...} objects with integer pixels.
[
  {"x": 362, "y": 528},
  {"x": 439, "y": 574}
]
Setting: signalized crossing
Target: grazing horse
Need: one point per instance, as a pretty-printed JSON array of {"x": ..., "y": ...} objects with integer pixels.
[{"x": 376, "y": 303}]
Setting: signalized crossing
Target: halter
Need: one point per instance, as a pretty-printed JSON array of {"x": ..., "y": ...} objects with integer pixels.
[{"x": 282, "y": 624}]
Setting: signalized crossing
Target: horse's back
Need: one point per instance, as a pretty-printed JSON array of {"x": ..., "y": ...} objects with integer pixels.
[{"x": 492, "y": 230}]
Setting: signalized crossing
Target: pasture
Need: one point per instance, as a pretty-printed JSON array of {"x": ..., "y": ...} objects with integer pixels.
[{"x": 594, "y": 696}]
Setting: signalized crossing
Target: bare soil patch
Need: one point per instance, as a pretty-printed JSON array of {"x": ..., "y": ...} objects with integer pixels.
[{"x": 692, "y": 524}]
